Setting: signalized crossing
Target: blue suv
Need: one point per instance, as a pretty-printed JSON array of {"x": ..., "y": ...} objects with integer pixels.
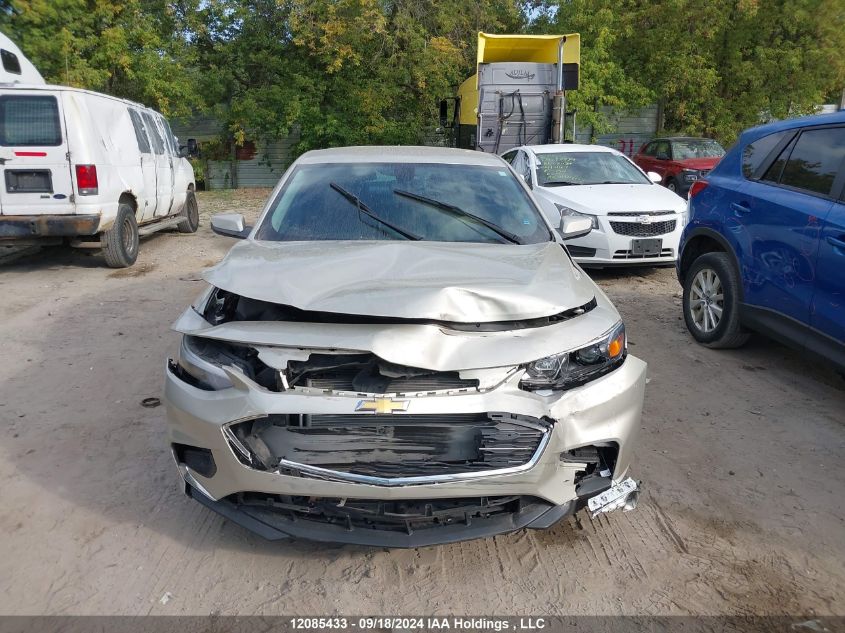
[{"x": 764, "y": 249}]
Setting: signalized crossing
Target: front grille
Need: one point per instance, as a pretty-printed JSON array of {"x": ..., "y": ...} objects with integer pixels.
[
  {"x": 344, "y": 380},
  {"x": 637, "y": 229},
  {"x": 634, "y": 214},
  {"x": 403, "y": 516},
  {"x": 666, "y": 252},
  {"x": 388, "y": 445},
  {"x": 581, "y": 251}
]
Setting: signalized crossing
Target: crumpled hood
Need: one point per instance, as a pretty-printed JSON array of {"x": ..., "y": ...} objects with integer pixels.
[
  {"x": 441, "y": 281},
  {"x": 599, "y": 199}
]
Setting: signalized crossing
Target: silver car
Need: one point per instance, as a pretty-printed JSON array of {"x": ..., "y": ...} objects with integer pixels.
[{"x": 401, "y": 353}]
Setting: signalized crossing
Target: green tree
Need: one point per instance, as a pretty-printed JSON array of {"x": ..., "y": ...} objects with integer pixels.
[{"x": 131, "y": 48}]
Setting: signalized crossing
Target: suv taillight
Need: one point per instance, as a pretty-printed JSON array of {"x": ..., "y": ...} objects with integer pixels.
[
  {"x": 86, "y": 180},
  {"x": 697, "y": 187}
]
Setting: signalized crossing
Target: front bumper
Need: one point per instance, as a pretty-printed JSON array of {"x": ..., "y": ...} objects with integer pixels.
[
  {"x": 35, "y": 226},
  {"x": 604, "y": 247},
  {"x": 604, "y": 412}
]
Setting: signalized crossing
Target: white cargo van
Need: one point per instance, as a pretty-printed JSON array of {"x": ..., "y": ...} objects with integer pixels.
[{"x": 89, "y": 170}]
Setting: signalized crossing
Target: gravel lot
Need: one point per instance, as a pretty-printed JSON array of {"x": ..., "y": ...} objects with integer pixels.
[{"x": 741, "y": 457}]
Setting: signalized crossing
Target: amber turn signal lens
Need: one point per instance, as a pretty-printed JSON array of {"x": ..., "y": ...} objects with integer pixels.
[{"x": 616, "y": 346}]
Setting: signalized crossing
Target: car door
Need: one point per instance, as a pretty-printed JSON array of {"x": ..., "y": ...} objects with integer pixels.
[
  {"x": 783, "y": 213},
  {"x": 662, "y": 159},
  {"x": 36, "y": 173},
  {"x": 164, "y": 168},
  {"x": 645, "y": 158},
  {"x": 148, "y": 196},
  {"x": 828, "y": 309},
  {"x": 182, "y": 172}
]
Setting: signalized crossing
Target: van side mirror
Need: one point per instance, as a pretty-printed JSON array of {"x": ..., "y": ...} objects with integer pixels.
[
  {"x": 230, "y": 225},
  {"x": 444, "y": 112},
  {"x": 193, "y": 148},
  {"x": 570, "y": 226},
  {"x": 183, "y": 152}
]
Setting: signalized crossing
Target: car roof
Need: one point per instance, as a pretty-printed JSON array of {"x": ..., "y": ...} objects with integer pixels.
[
  {"x": 790, "y": 124},
  {"x": 561, "y": 148},
  {"x": 399, "y": 154}
]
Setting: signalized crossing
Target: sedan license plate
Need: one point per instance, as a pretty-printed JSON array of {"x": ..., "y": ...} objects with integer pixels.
[{"x": 647, "y": 247}]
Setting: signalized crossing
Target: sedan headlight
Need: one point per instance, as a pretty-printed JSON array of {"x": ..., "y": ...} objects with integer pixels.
[
  {"x": 571, "y": 369},
  {"x": 567, "y": 211}
]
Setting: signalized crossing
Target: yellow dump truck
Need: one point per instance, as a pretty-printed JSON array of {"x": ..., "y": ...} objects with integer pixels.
[{"x": 517, "y": 94}]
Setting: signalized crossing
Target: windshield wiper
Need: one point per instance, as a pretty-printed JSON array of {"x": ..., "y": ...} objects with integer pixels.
[
  {"x": 559, "y": 183},
  {"x": 457, "y": 211},
  {"x": 363, "y": 208}
]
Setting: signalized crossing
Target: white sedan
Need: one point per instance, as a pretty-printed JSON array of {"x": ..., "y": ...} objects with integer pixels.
[{"x": 635, "y": 221}]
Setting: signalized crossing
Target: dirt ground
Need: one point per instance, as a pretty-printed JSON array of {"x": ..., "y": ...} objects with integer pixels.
[{"x": 740, "y": 454}]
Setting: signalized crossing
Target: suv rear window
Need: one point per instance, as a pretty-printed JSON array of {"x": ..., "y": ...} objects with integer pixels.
[
  {"x": 29, "y": 120},
  {"x": 755, "y": 153}
]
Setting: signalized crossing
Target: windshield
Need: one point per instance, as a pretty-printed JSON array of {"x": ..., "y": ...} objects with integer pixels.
[
  {"x": 586, "y": 168},
  {"x": 400, "y": 201},
  {"x": 696, "y": 148}
]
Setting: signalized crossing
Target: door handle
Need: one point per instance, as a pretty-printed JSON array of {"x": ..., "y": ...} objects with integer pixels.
[
  {"x": 740, "y": 208},
  {"x": 838, "y": 244}
]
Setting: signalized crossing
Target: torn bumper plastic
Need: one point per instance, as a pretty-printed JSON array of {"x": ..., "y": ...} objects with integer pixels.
[{"x": 342, "y": 502}]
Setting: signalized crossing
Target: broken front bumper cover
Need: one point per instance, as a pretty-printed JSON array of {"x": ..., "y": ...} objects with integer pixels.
[{"x": 468, "y": 521}]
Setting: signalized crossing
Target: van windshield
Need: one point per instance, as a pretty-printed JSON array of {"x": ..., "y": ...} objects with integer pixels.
[
  {"x": 29, "y": 120},
  {"x": 396, "y": 201}
]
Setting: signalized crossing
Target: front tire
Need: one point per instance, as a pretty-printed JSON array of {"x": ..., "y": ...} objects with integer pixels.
[
  {"x": 120, "y": 242},
  {"x": 672, "y": 185},
  {"x": 711, "y": 302},
  {"x": 190, "y": 221}
]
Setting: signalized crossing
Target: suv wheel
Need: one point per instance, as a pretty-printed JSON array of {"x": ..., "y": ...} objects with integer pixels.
[
  {"x": 711, "y": 302},
  {"x": 120, "y": 242}
]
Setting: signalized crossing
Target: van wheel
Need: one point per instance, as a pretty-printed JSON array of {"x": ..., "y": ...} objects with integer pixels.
[
  {"x": 120, "y": 242},
  {"x": 711, "y": 302},
  {"x": 190, "y": 221}
]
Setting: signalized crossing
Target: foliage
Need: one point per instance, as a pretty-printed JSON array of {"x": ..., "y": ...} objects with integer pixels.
[
  {"x": 341, "y": 72},
  {"x": 128, "y": 48}
]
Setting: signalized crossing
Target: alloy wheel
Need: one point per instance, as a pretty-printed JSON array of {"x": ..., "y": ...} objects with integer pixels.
[{"x": 707, "y": 300}]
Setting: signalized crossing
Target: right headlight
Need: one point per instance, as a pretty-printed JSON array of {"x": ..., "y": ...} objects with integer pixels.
[
  {"x": 574, "y": 368},
  {"x": 572, "y": 212}
]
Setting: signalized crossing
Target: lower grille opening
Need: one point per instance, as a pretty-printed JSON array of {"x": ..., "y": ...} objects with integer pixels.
[
  {"x": 387, "y": 446},
  {"x": 199, "y": 460},
  {"x": 404, "y": 516},
  {"x": 581, "y": 251},
  {"x": 666, "y": 252}
]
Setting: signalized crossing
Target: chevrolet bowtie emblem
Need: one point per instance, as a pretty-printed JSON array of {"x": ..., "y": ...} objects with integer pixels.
[{"x": 382, "y": 405}]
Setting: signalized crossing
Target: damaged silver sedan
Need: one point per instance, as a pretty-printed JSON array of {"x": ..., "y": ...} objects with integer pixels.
[{"x": 400, "y": 353}]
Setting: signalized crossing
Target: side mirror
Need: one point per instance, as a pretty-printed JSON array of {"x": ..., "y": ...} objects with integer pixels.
[
  {"x": 570, "y": 226},
  {"x": 193, "y": 148},
  {"x": 654, "y": 177},
  {"x": 444, "y": 112},
  {"x": 184, "y": 152},
  {"x": 662, "y": 156},
  {"x": 230, "y": 225}
]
